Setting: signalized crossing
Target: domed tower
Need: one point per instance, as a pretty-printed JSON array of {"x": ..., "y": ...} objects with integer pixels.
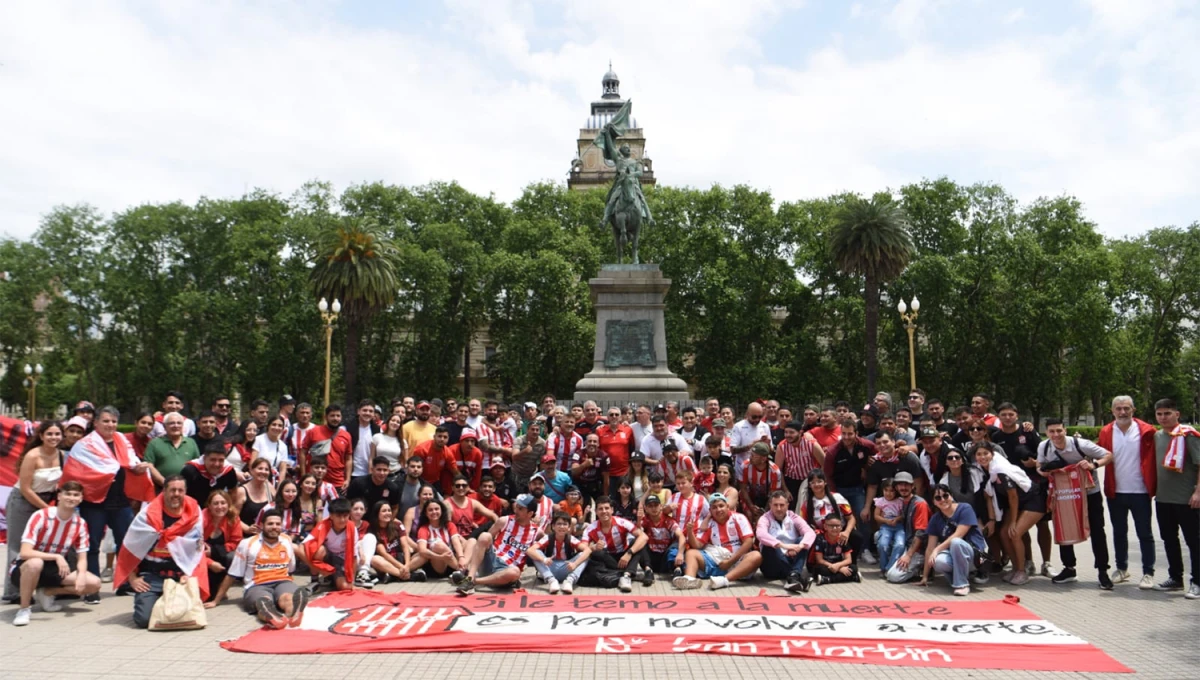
[{"x": 589, "y": 170}]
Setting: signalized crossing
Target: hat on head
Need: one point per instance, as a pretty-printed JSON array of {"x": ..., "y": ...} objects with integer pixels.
[
  {"x": 869, "y": 410},
  {"x": 573, "y": 488},
  {"x": 718, "y": 422},
  {"x": 902, "y": 478},
  {"x": 287, "y": 400},
  {"x": 468, "y": 433},
  {"x": 549, "y": 458},
  {"x": 718, "y": 497},
  {"x": 669, "y": 446},
  {"x": 530, "y": 404},
  {"x": 929, "y": 432},
  {"x": 637, "y": 455},
  {"x": 652, "y": 499},
  {"x": 537, "y": 478},
  {"x": 761, "y": 449},
  {"x": 85, "y": 406},
  {"x": 422, "y": 404},
  {"x": 526, "y": 501},
  {"x": 437, "y": 402},
  {"x": 660, "y": 407},
  {"x": 78, "y": 421},
  {"x": 498, "y": 461}
]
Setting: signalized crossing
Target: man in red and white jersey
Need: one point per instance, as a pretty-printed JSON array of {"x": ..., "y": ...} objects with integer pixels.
[
  {"x": 494, "y": 438},
  {"x": 722, "y": 548},
  {"x": 618, "y": 548},
  {"x": 674, "y": 460},
  {"x": 564, "y": 442},
  {"x": 52, "y": 535},
  {"x": 616, "y": 441},
  {"x": 797, "y": 454},
  {"x": 297, "y": 436},
  {"x": 757, "y": 479},
  {"x": 499, "y": 561},
  {"x": 543, "y": 505}
]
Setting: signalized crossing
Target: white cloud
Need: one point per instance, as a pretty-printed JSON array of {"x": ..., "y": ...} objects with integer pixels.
[
  {"x": 116, "y": 107},
  {"x": 1015, "y": 15}
]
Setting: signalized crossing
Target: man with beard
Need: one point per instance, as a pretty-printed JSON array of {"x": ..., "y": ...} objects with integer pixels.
[
  {"x": 846, "y": 463},
  {"x": 419, "y": 430},
  {"x": 499, "y": 556},
  {"x": 439, "y": 467},
  {"x": 528, "y": 451},
  {"x": 361, "y": 431},
  {"x": 331, "y": 442},
  {"x": 468, "y": 457},
  {"x": 589, "y": 469},
  {"x": 746, "y": 432},
  {"x": 915, "y": 514},
  {"x": 935, "y": 410},
  {"x": 691, "y": 433},
  {"x": 543, "y": 506},
  {"x": 457, "y": 423},
  {"x": 226, "y": 424},
  {"x": 474, "y": 414},
  {"x": 674, "y": 460},
  {"x": 797, "y": 454},
  {"x": 208, "y": 474},
  {"x": 785, "y": 539},
  {"x": 264, "y": 563},
  {"x": 494, "y": 439}
]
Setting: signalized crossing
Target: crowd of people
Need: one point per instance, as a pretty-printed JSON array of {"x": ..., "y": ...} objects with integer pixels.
[{"x": 475, "y": 492}]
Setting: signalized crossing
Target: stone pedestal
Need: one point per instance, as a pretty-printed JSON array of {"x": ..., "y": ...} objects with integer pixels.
[{"x": 630, "y": 362}]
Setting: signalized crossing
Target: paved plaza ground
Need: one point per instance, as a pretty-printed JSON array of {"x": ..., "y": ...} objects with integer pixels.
[{"x": 1153, "y": 633}]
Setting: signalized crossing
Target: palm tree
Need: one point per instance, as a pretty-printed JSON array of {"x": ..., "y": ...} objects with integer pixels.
[
  {"x": 356, "y": 263},
  {"x": 870, "y": 239}
]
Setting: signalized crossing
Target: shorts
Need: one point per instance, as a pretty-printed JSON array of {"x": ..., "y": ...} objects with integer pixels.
[
  {"x": 491, "y": 564},
  {"x": 49, "y": 577},
  {"x": 432, "y": 571},
  {"x": 338, "y": 562},
  {"x": 480, "y": 530},
  {"x": 273, "y": 590},
  {"x": 1035, "y": 499},
  {"x": 711, "y": 567}
]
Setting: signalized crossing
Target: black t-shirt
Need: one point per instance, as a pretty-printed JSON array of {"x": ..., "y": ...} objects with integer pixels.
[
  {"x": 777, "y": 434},
  {"x": 880, "y": 471},
  {"x": 199, "y": 486},
  {"x": 962, "y": 437},
  {"x": 949, "y": 427},
  {"x": 455, "y": 431},
  {"x": 832, "y": 552},
  {"x": 583, "y": 428},
  {"x": 848, "y": 465},
  {"x": 365, "y": 488},
  {"x": 201, "y": 443},
  {"x": 1018, "y": 444}
]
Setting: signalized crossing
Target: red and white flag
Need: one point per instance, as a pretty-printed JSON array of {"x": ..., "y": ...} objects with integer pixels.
[
  {"x": 95, "y": 466},
  {"x": 183, "y": 540}
]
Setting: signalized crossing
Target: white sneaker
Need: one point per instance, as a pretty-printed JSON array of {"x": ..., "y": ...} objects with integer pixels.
[
  {"x": 106, "y": 575},
  {"x": 1030, "y": 570},
  {"x": 22, "y": 617},
  {"x": 1193, "y": 592},
  {"x": 1147, "y": 582},
  {"x": 869, "y": 559},
  {"x": 568, "y": 586},
  {"x": 46, "y": 602},
  {"x": 686, "y": 582},
  {"x": 718, "y": 582},
  {"x": 553, "y": 585},
  {"x": 1119, "y": 576},
  {"x": 625, "y": 585},
  {"x": 1046, "y": 570}
]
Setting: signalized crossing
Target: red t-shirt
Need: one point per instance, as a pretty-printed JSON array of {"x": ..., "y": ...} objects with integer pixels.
[
  {"x": 440, "y": 466},
  {"x": 617, "y": 442},
  {"x": 340, "y": 451},
  {"x": 826, "y": 438}
]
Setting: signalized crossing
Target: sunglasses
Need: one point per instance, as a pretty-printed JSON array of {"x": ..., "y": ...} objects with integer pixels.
[
  {"x": 222, "y": 405},
  {"x": 460, "y": 486},
  {"x": 977, "y": 429},
  {"x": 941, "y": 497},
  {"x": 954, "y": 458},
  {"x": 914, "y": 396}
]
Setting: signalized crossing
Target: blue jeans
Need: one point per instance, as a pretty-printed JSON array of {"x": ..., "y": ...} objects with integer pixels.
[
  {"x": 776, "y": 563},
  {"x": 856, "y": 496},
  {"x": 560, "y": 570},
  {"x": 1120, "y": 507},
  {"x": 891, "y": 542},
  {"x": 143, "y": 603},
  {"x": 97, "y": 518},
  {"x": 957, "y": 561}
]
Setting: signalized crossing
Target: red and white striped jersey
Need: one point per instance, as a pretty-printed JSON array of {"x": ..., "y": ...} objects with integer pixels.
[
  {"x": 513, "y": 540},
  {"x": 729, "y": 535},
  {"x": 689, "y": 510},
  {"x": 50, "y": 534},
  {"x": 798, "y": 459},
  {"x": 299, "y": 437},
  {"x": 660, "y": 533},
  {"x": 433, "y": 535},
  {"x": 328, "y": 492},
  {"x": 761, "y": 482},
  {"x": 545, "y": 510},
  {"x": 668, "y": 469},
  {"x": 560, "y": 550},
  {"x": 496, "y": 437},
  {"x": 563, "y": 447},
  {"x": 615, "y": 538}
]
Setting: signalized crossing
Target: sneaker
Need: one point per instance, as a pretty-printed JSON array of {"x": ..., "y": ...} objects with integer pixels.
[
  {"x": 94, "y": 598},
  {"x": 22, "y": 617},
  {"x": 821, "y": 579},
  {"x": 1067, "y": 575},
  {"x": 806, "y": 581},
  {"x": 418, "y": 576},
  {"x": 1169, "y": 584},
  {"x": 625, "y": 585},
  {"x": 1030, "y": 570},
  {"x": 1147, "y": 582},
  {"x": 106, "y": 575},
  {"x": 965, "y": 590},
  {"x": 1007, "y": 577},
  {"x": 1046, "y": 570},
  {"x": 677, "y": 573},
  {"x": 1119, "y": 576},
  {"x": 869, "y": 559},
  {"x": 553, "y": 585},
  {"x": 466, "y": 586},
  {"x": 648, "y": 578},
  {"x": 363, "y": 580},
  {"x": 46, "y": 602},
  {"x": 1105, "y": 582},
  {"x": 1193, "y": 592},
  {"x": 266, "y": 609},
  {"x": 718, "y": 582},
  {"x": 299, "y": 602},
  {"x": 981, "y": 576},
  {"x": 457, "y": 577},
  {"x": 793, "y": 583},
  {"x": 686, "y": 582},
  {"x": 1020, "y": 578},
  {"x": 568, "y": 586}
]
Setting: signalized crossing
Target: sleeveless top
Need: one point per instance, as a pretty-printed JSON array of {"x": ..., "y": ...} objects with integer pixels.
[
  {"x": 463, "y": 518},
  {"x": 251, "y": 508}
]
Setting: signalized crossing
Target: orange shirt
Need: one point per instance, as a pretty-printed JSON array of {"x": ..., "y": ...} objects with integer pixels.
[{"x": 440, "y": 466}]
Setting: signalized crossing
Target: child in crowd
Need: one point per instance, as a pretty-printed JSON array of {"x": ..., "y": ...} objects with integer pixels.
[
  {"x": 573, "y": 508},
  {"x": 559, "y": 557},
  {"x": 625, "y": 505},
  {"x": 705, "y": 479},
  {"x": 663, "y": 532},
  {"x": 890, "y": 540},
  {"x": 656, "y": 486},
  {"x": 832, "y": 560}
]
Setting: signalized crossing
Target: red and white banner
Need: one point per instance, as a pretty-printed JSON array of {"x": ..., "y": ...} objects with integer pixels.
[
  {"x": 934, "y": 634},
  {"x": 13, "y": 435}
]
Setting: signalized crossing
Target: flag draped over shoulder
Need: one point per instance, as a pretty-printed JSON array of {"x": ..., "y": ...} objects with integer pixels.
[
  {"x": 1177, "y": 449},
  {"x": 184, "y": 540},
  {"x": 94, "y": 465}
]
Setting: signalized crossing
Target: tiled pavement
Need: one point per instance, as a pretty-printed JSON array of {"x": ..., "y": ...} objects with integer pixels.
[{"x": 1155, "y": 634}]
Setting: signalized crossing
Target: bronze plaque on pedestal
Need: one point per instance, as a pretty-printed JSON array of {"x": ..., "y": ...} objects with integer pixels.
[{"x": 629, "y": 343}]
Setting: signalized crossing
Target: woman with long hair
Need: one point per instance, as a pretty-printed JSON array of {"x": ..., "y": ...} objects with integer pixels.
[
  {"x": 818, "y": 503},
  {"x": 638, "y": 475},
  {"x": 725, "y": 484},
  {"x": 242, "y": 449},
  {"x": 222, "y": 533},
  {"x": 1015, "y": 501},
  {"x": 624, "y": 504},
  {"x": 387, "y": 443},
  {"x": 311, "y": 504},
  {"x": 272, "y": 446},
  {"x": 39, "y": 469},
  {"x": 425, "y": 493},
  {"x": 287, "y": 502},
  {"x": 251, "y": 497},
  {"x": 139, "y": 439},
  {"x": 394, "y": 550},
  {"x": 438, "y": 541}
]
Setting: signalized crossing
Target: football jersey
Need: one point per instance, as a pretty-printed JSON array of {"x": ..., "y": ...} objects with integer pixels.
[
  {"x": 513, "y": 540},
  {"x": 729, "y": 534},
  {"x": 615, "y": 538}
]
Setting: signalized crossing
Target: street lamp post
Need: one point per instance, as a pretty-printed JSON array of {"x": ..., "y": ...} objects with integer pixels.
[
  {"x": 329, "y": 313},
  {"x": 33, "y": 374},
  {"x": 910, "y": 324}
]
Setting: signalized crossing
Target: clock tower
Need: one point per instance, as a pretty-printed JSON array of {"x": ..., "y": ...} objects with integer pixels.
[{"x": 588, "y": 169}]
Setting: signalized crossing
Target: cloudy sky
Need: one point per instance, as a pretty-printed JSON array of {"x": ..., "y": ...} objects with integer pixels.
[{"x": 117, "y": 103}]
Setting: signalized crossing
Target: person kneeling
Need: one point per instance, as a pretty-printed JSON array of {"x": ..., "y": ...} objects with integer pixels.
[
  {"x": 265, "y": 564},
  {"x": 722, "y": 550},
  {"x": 833, "y": 559},
  {"x": 42, "y": 570},
  {"x": 559, "y": 556},
  {"x": 954, "y": 538},
  {"x": 329, "y": 551},
  {"x": 499, "y": 563}
]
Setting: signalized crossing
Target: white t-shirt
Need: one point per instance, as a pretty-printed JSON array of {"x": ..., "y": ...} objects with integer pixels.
[
  {"x": 388, "y": 447},
  {"x": 272, "y": 451},
  {"x": 1127, "y": 459},
  {"x": 652, "y": 447},
  {"x": 745, "y": 434},
  {"x": 189, "y": 429},
  {"x": 362, "y": 452},
  {"x": 474, "y": 422}
]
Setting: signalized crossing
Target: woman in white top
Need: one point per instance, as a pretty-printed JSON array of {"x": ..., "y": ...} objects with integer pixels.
[
  {"x": 272, "y": 446},
  {"x": 38, "y": 472},
  {"x": 387, "y": 444},
  {"x": 1022, "y": 506}
]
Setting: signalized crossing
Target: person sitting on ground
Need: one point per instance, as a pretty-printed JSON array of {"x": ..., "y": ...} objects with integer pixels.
[
  {"x": 663, "y": 534},
  {"x": 499, "y": 562},
  {"x": 329, "y": 551},
  {"x": 916, "y": 519},
  {"x": 832, "y": 558},
  {"x": 471, "y": 516},
  {"x": 722, "y": 548},
  {"x": 287, "y": 502},
  {"x": 954, "y": 540},
  {"x": 618, "y": 549},
  {"x": 222, "y": 533},
  {"x": 438, "y": 541},
  {"x": 785, "y": 539},
  {"x": 394, "y": 550},
  {"x": 413, "y": 516},
  {"x": 42, "y": 570},
  {"x": 264, "y": 563},
  {"x": 560, "y": 557}
]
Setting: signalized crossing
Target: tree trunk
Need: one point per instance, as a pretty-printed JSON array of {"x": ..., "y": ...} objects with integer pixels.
[
  {"x": 350, "y": 362},
  {"x": 467, "y": 368},
  {"x": 871, "y": 317}
]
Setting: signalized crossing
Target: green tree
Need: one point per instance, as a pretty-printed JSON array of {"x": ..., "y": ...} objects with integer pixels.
[{"x": 870, "y": 239}]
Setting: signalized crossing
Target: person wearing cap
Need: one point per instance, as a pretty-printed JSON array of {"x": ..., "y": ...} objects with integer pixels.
[
  {"x": 932, "y": 452},
  {"x": 618, "y": 549},
  {"x": 746, "y": 432},
  {"x": 868, "y": 420},
  {"x": 439, "y": 466},
  {"x": 495, "y": 490},
  {"x": 716, "y": 445},
  {"x": 544, "y": 506},
  {"x": 660, "y": 434},
  {"x": 675, "y": 459},
  {"x": 287, "y": 406},
  {"x": 757, "y": 480},
  {"x": 498, "y": 557},
  {"x": 556, "y": 480},
  {"x": 915, "y": 512},
  {"x": 666, "y": 544},
  {"x": 419, "y": 430},
  {"x": 85, "y": 410},
  {"x": 721, "y": 548},
  {"x": 528, "y": 415},
  {"x": 469, "y": 457},
  {"x": 73, "y": 430},
  {"x": 785, "y": 539}
]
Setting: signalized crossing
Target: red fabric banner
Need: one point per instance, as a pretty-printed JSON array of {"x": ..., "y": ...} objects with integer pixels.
[{"x": 934, "y": 634}]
